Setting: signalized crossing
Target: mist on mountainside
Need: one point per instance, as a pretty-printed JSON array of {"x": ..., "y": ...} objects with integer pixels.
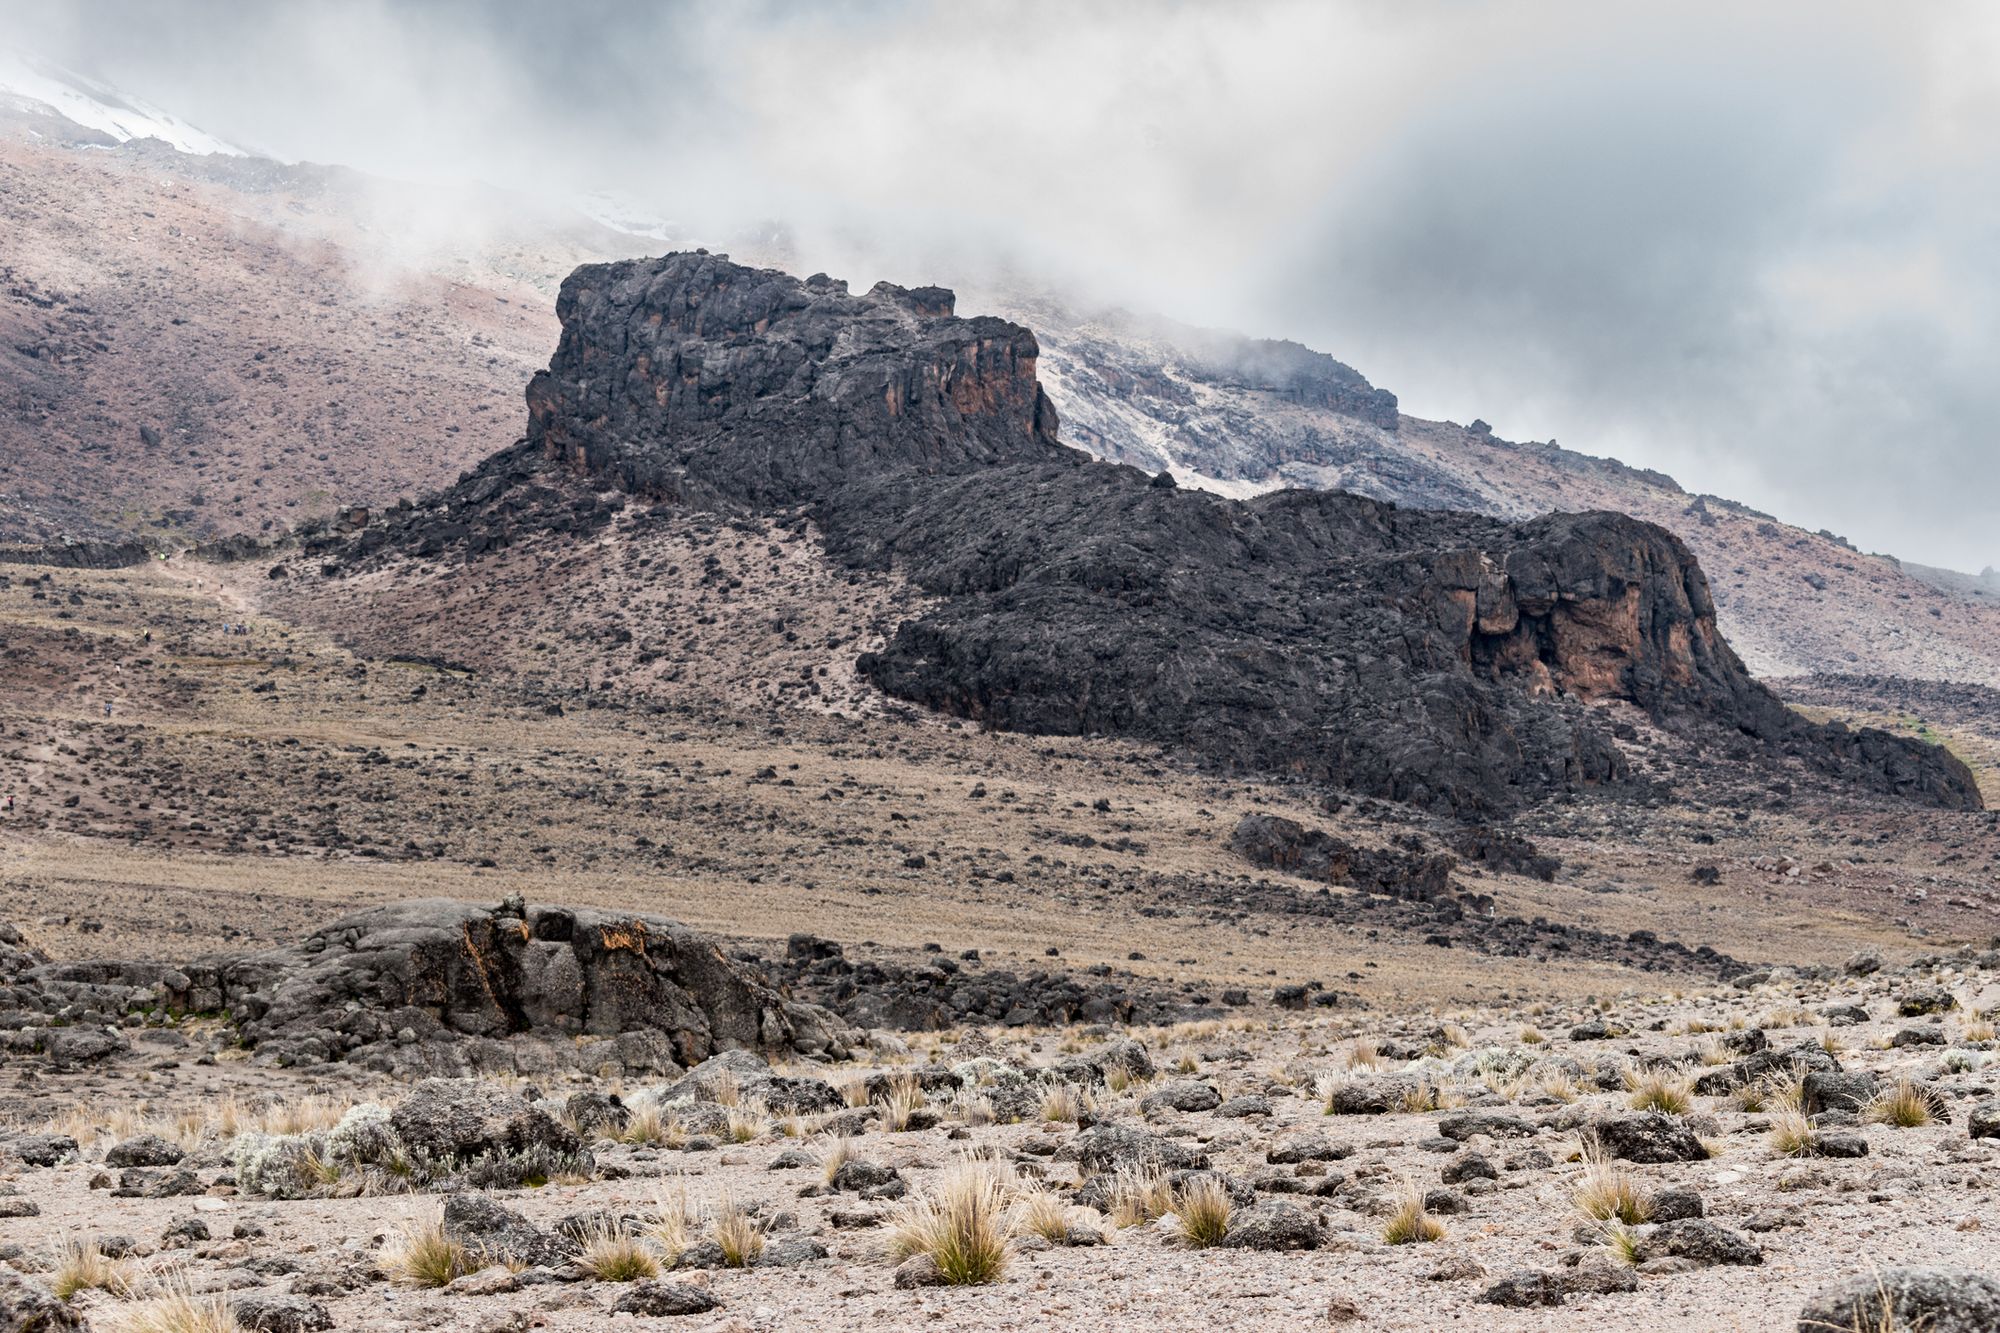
[{"x": 1749, "y": 248}]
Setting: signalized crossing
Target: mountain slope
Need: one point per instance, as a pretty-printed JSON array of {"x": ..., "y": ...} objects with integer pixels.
[
  {"x": 345, "y": 340},
  {"x": 1161, "y": 395}
]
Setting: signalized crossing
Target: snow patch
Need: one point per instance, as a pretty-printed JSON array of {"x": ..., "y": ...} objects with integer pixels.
[{"x": 94, "y": 106}]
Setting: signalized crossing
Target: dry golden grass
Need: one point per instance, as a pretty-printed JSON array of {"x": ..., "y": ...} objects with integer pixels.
[
  {"x": 176, "y": 1308},
  {"x": 1409, "y": 1223},
  {"x": 1139, "y": 1193},
  {"x": 737, "y": 1233},
  {"x": 904, "y": 1098},
  {"x": 672, "y": 1224},
  {"x": 648, "y": 1123},
  {"x": 1669, "y": 1089},
  {"x": 1606, "y": 1191},
  {"x": 81, "y": 1266},
  {"x": 1904, "y": 1104},
  {"x": 421, "y": 1255},
  {"x": 962, "y": 1223},
  {"x": 1200, "y": 1210},
  {"x": 1065, "y": 1103},
  {"x": 1793, "y": 1133},
  {"x": 613, "y": 1254}
]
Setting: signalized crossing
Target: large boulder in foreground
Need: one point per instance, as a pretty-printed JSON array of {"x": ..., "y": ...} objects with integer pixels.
[
  {"x": 542, "y": 971},
  {"x": 30, "y": 1308},
  {"x": 1936, "y": 1300}
]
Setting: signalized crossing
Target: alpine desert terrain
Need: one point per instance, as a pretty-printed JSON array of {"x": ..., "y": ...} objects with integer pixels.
[{"x": 548, "y": 789}]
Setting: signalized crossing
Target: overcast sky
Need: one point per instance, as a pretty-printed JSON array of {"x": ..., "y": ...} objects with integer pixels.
[{"x": 1755, "y": 245}]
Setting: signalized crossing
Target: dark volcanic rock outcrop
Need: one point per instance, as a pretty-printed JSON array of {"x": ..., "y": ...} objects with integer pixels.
[
  {"x": 1285, "y": 844},
  {"x": 435, "y": 984},
  {"x": 1438, "y": 658},
  {"x": 692, "y": 378}
]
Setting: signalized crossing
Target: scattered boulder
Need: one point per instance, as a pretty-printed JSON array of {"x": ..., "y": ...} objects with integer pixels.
[
  {"x": 1182, "y": 1096},
  {"x": 1524, "y": 1290},
  {"x": 664, "y": 1300},
  {"x": 144, "y": 1150},
  {"x": 461, "y": 1119},
  {"x": 1104, "y": 1147},
  {"x": 1920, "y": 1000},
  {"x": 490, "y": 1231},
  {"x": 1936, "y": 1300},
  {"x": 1825, "y": 1090},
  {"x": 1463, "y": 1125},
  {"x": 263, "y": 1312},
  {"x": 44, "y": 1149},
  {"x": 1698, "y": 1240},
  {"x": 1272, "y": 1225},
  {"x": 1647, "y": 1137}
]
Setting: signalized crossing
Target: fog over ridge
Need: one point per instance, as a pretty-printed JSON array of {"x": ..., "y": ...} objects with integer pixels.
[{"x": 1754, "y": 247}]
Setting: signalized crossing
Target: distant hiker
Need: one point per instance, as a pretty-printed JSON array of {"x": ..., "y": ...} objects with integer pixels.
[{"x": 107, "y": 710}]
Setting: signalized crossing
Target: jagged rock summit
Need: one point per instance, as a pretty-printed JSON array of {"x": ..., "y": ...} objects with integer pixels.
[
  {"x": 1439, "y": 658},
  {"x": 698, "y": 380}
]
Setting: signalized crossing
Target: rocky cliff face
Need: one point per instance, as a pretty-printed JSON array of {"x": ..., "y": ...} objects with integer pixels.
[
  {"x": 694, "y": 379},
  {"x": 1435, "y": 657}
]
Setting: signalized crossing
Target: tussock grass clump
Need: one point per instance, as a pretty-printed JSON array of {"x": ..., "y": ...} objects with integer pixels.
[
  {"x": 903, "y": 1100},
  {"x": 176, "y": 1309},
  {"x": 1977, "y": 1029},
  {"x": 651, "y": 1124},
  {"x": 311, "y": 1114},
  {"x": 421, "y": 1255},
  {"x": 836, "y": 1156},
  {"x": 1530, "y": 1035},
  {"x": 1044, "y": 1213},
  {"x": 671, "y": 1224},
  {"x": 745, "y": 1123},
  {"x": 1608, "y": 1192},
  {"x": 1904, "y": 1105},
  {"x": 741, "y": 1239},
  {"x": 1186, "y": 1065},
  {"x": 1425, "y": 1095},
  {"x": 1621, "y": 1242},
  {"x": 1669, "y": 1089},
  {"x": 613, "y": 1254},
  {"x": 1065, "y": 1103},
  {"x": 1201, "y": 1212},
  {"x": 1408, "y": 1223},
  {"x": 1365, "y": 1053},
  {"x": 82, "y": 1266},
  {"x": 1561, "y": 1085},
  {"x": 962, "y": 1223},
  {"x": 1449, "y": 1039},
  {"x": 1793, "y": 1133},
  {"x": 1139, "y": 1193},
  {"x": 1786, "y": 1089},
  {"x": 1118, "y": 1078}
]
